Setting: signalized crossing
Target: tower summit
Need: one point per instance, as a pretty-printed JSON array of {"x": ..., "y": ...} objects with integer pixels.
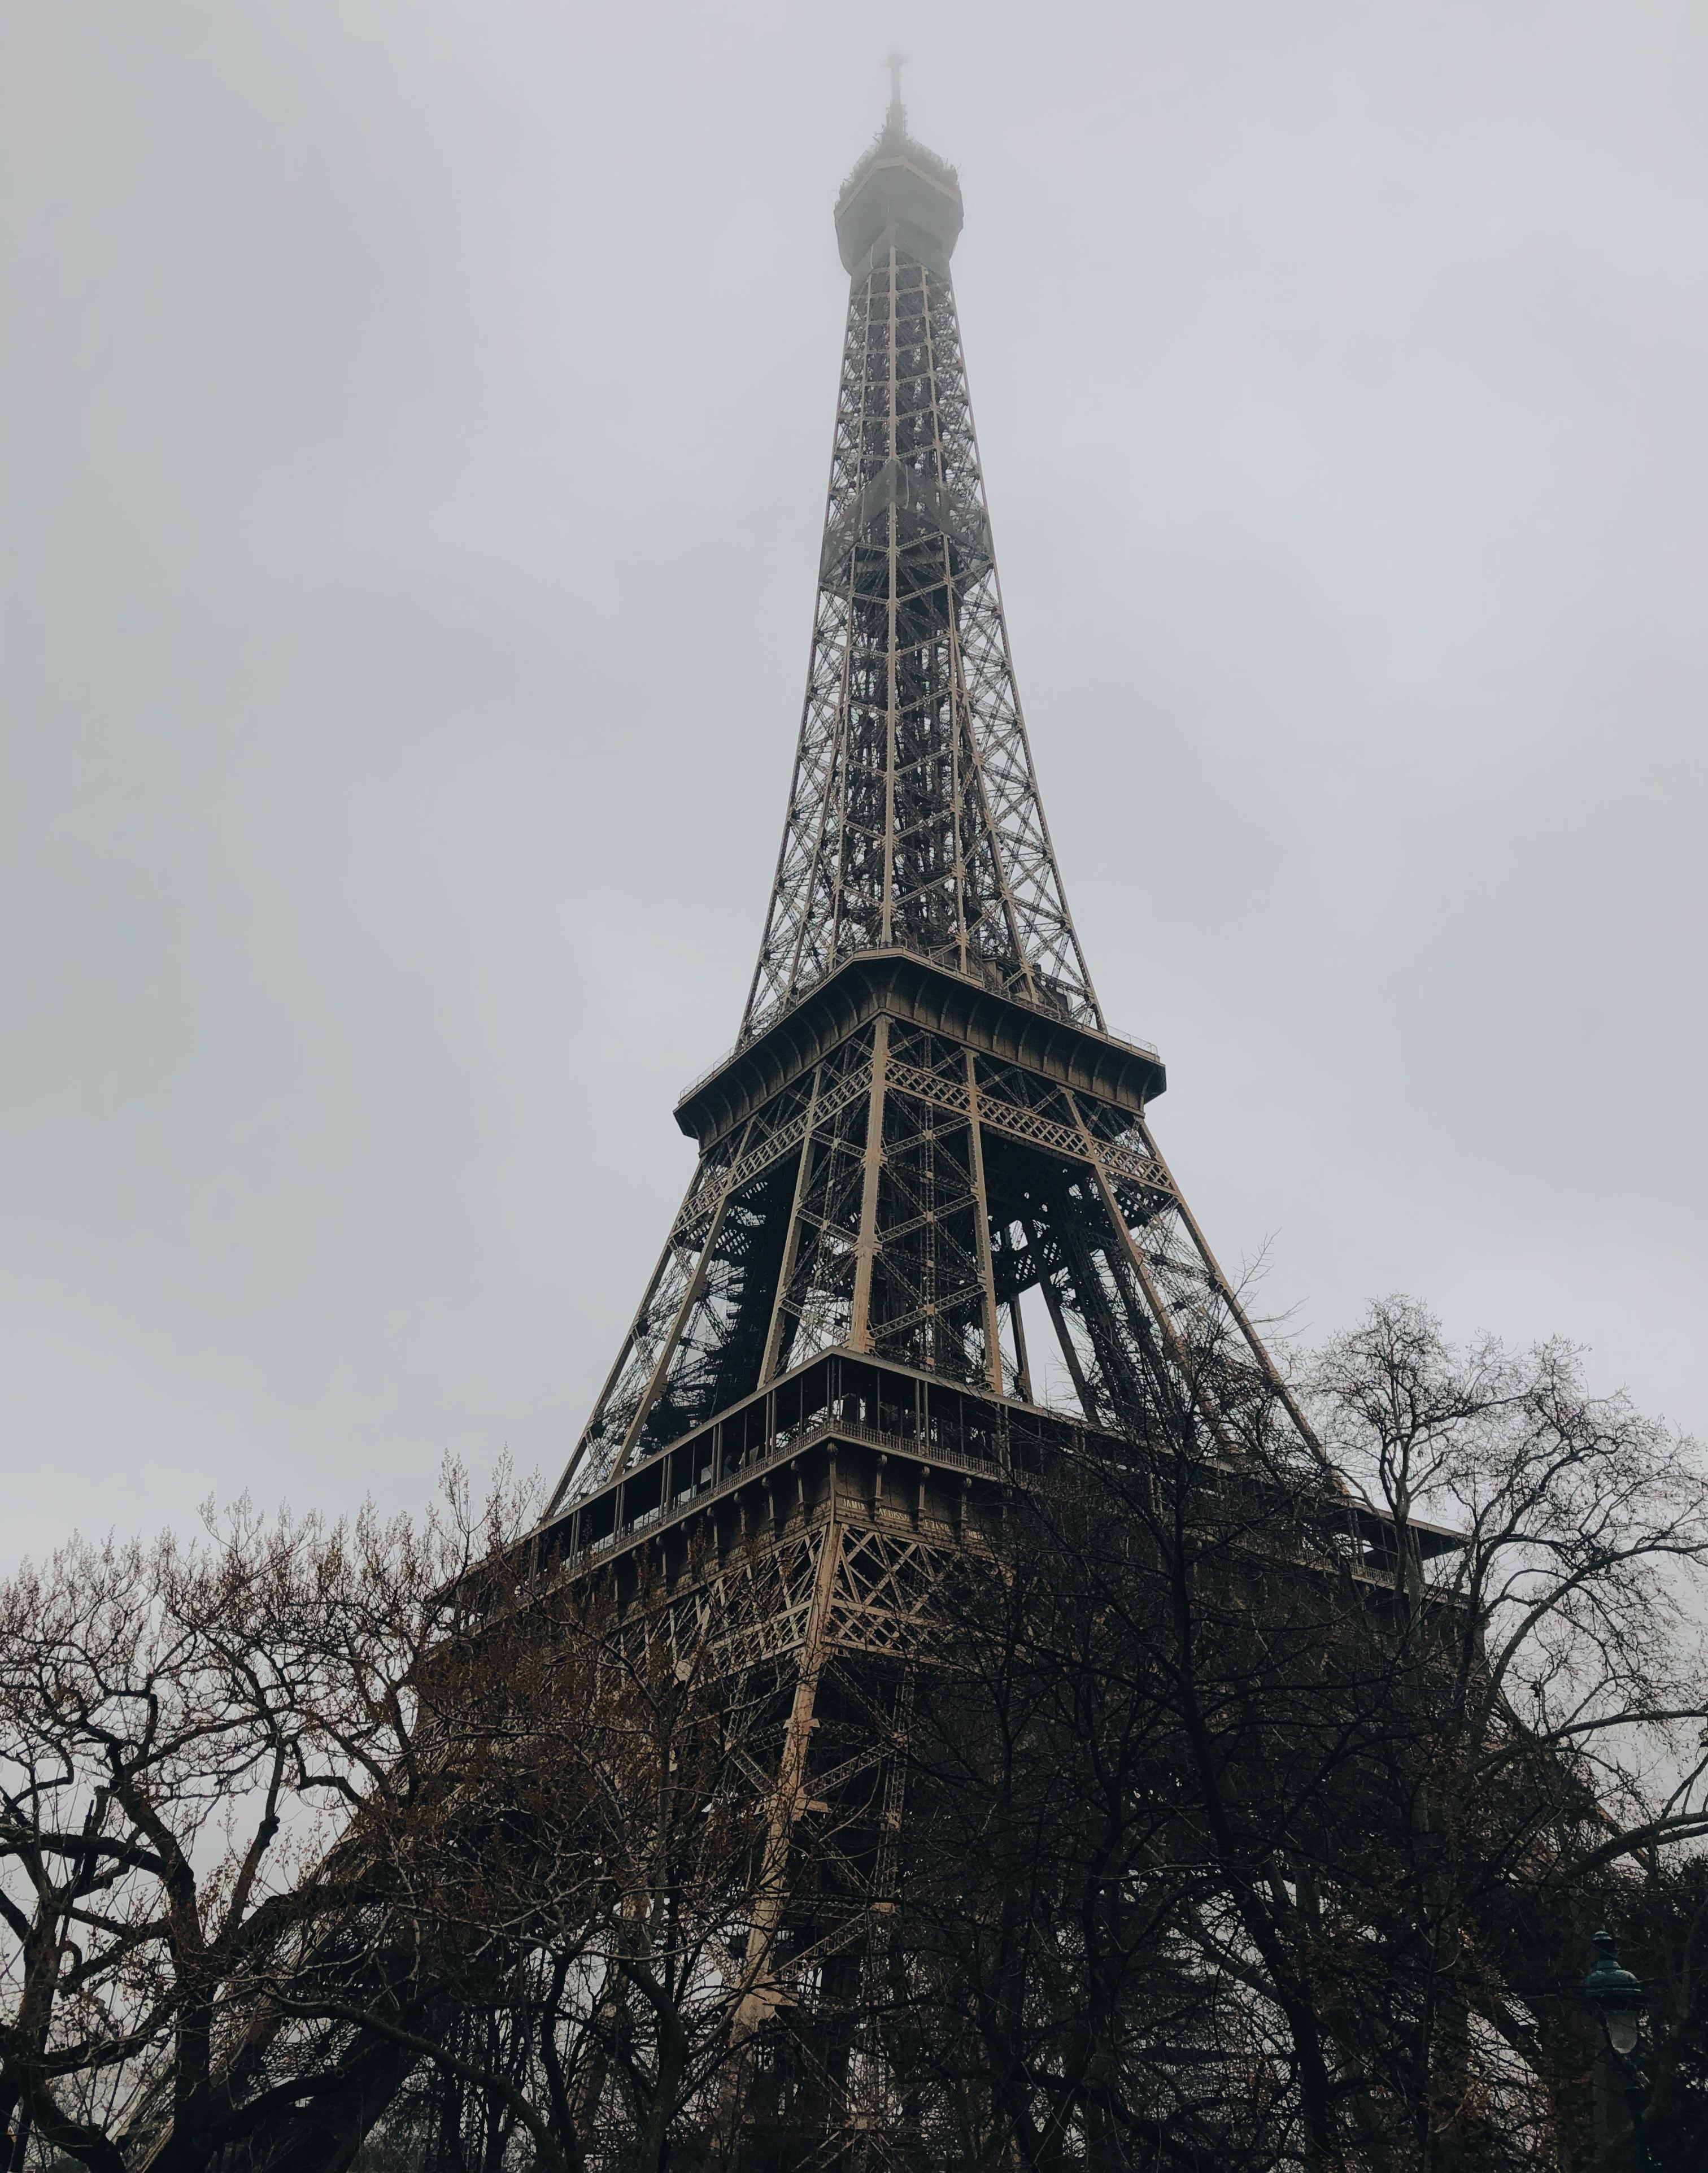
[
  {"x": 927, "y": 1161},
  {"x": 899, "y": 183}
]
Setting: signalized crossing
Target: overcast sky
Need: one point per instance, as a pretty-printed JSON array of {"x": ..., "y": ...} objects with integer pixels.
[{"x": 413, "y": 429}]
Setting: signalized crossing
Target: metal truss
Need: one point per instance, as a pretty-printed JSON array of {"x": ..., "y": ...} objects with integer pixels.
[
  {"x": 826, "y": 1394},
  {"x": 901, "y": 1192},
  {"x": 900, "y": 1198},
  {"x": 914, "y": 812},
  {"x": 814, "y": 1604},
  {"x": 924, "y": 1131}
]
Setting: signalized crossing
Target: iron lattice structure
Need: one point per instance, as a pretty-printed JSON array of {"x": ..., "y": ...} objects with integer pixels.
[
  {"x": 914, "y": 819},
  {"x": 925, "y": 1153},
  {"x": 925, "y": 1117},
  {"x": 927, "y": 1183}
]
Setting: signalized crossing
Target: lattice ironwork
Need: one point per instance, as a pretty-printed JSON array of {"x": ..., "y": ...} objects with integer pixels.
[
  {"x": 901, "y": 1198},
  {"x": 902, "y": 1190},
  {"x": 826, "y": 1393},
  {"x": 894, "y": 1171},
  {"x": 913, "y": 812}
]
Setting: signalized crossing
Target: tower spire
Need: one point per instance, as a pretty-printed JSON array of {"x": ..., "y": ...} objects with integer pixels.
[{"x": 895, "y": 120}]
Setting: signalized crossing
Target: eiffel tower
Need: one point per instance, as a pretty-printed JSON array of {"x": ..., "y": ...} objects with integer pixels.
[
  {"x": 925, "y": 1116},
  {"x": 931, "y": 1244}
]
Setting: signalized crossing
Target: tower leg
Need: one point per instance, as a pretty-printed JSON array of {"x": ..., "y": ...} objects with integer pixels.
[{"x": 759, "y": 1991}]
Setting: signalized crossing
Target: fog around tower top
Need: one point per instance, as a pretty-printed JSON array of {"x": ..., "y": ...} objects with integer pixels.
[{"x": 892, "y": 139}]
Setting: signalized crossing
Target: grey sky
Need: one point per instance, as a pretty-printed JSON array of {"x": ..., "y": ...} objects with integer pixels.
[{"x": 413, "y": 428}]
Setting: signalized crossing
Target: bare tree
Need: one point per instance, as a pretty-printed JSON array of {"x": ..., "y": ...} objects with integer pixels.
[
  {"x": 185, "y": 1732},
  {"x": 577, "y": 1896},
  {"x": 1556, "y": 1656},
  {"x": 304, "y": 1827},
  {"x": 1259, "y": 1805},
  {"x": 1262, "y": 1811}
]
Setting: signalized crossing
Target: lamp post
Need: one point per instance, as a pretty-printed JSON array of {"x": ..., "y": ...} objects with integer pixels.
[{"x": 1617, "y": 2000}]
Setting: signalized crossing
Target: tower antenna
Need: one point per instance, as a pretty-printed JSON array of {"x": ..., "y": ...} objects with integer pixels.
[{"x": 895, "y": 120}]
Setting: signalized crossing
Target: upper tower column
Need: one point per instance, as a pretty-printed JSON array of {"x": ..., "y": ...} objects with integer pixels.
[{"x": 914, "y": 821}]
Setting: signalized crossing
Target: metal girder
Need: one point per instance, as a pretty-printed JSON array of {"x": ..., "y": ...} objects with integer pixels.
[
  {"x": 914, "y": 814},
  {"x": 900, "y": 1199}
]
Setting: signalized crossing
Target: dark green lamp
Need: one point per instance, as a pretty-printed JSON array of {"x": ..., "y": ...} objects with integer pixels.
[{"x": 1616, "y": 1996}]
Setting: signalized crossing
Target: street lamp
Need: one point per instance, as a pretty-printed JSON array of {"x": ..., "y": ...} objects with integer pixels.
[
  {"x": 1616, "y": 1996},
  {"x": 1617, "y": 2000}
]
